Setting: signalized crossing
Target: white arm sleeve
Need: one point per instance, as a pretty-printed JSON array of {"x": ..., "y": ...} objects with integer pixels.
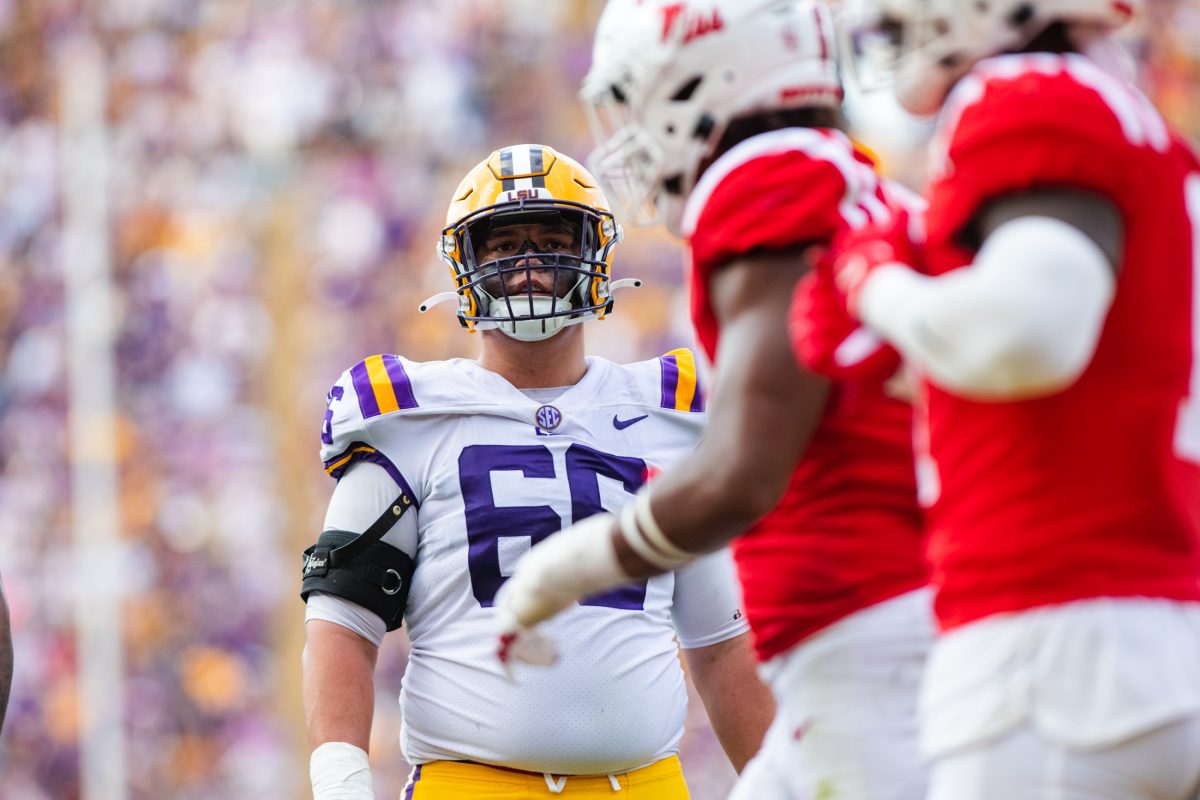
[
  {"x": 1022, "y": 321},
  {"x": 707, "y": 606},
  {"x": 363, "y": 493}
]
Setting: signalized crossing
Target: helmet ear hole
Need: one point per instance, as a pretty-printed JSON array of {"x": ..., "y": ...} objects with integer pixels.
[
  {"x": 687, "y": 89},
  {"x": 1021, "y": 15}
]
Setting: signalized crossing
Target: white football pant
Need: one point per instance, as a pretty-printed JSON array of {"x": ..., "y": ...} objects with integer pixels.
[
  {"x": 846, "y": 726},
  {"x": 1162, "y": 764}
]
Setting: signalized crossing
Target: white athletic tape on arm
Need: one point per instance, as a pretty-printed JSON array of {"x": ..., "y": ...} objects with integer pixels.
[
  {"x": 652, "y": 531},
  {"x": 644, "y": 536},
  {"x": 340, "y": 771}
]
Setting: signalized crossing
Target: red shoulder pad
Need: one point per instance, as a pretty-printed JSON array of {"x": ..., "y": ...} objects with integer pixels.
[
  {"x": 1027, "y": 120},
  {"x": 772, "y": 202}
]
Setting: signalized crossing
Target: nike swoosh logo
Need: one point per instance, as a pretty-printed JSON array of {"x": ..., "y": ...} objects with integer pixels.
[{"x": 622, "y": 424}]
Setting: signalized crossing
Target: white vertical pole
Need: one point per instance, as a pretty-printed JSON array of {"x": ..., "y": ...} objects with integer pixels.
[{"x": 90, "y": 332}]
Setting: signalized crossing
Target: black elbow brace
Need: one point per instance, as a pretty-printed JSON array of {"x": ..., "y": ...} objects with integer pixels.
[{"x": 376, "y": 578}]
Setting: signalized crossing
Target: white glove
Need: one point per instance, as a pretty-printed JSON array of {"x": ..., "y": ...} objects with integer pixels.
[
  {"x": 340, "y": 771},
  {"x": 517, "y": 643},
  {"x": 573, "y": 563}
]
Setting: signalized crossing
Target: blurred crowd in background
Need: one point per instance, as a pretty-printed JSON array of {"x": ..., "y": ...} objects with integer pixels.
[{"x": 279, "y": 178}]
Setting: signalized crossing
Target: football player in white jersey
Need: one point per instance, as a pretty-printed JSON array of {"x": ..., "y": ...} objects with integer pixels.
[{"x": 479, "y": 460}]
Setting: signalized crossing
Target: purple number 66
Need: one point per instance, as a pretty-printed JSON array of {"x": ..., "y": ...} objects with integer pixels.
[{"x": 488, "y": 524}]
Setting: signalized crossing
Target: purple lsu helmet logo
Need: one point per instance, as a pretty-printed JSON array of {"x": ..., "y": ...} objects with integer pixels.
[{"x": 548, "y": 418}]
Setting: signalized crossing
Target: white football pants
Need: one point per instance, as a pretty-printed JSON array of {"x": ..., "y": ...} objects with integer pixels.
[
  {"x": 1161, "y": 764},
  {"x": 846, "y": 725}
]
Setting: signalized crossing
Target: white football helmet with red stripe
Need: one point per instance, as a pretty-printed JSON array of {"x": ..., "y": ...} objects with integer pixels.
[
  {"x": 925, "y": 46},
  {"x": 668, "y": 76}
]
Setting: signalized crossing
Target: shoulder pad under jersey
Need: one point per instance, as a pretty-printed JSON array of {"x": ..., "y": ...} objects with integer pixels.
[
  {"x": 1021, "y": 121},
  {"x": 373, "y": 387},
  {"x": 780, "y": 190},
  {"x": 671, "y": 381}
]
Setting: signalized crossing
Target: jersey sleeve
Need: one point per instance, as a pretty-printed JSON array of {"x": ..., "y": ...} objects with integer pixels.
[
  {"x": 348, "y": 614},
  {"x": 1060, "y": 122},
  {"x": 707, "y": 606},
  {"x": 768, "y": 203},
  {"x": 363, "y": 492},
  {"x": 370, "y": 389}
]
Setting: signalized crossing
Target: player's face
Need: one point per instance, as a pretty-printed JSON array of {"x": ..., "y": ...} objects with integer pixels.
[{"x": 523, "y": 255}]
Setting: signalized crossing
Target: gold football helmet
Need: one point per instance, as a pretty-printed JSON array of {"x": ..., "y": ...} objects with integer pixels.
[{"x": 529, "y": 239}]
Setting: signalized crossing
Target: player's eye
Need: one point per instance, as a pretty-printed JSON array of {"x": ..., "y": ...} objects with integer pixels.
[{"x": 501, "y": 246}]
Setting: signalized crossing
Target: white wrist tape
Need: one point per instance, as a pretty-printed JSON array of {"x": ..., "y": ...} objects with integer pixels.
[
  {"x": 643, "y": 534},
  {"x": 340, "y": 771}
]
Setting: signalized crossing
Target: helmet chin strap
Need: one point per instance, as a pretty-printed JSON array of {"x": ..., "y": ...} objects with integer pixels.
[{"x": 529, "y": 330}]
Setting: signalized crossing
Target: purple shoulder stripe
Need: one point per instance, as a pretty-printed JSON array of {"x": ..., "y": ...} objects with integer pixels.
[
  {"x": 382, "y": 386},
  {"x": 362, "y": 387},
  {"x": 670, "y": 380},
  {"x": 401, "y": 385}
]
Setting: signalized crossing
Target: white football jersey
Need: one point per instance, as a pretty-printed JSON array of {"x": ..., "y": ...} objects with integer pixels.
[{"x": 492, "y": 472}]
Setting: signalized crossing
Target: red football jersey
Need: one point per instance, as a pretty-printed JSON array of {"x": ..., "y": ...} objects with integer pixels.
[
  {"x": 847, "y": 533},
  {"x": 1094, "y": 491}
]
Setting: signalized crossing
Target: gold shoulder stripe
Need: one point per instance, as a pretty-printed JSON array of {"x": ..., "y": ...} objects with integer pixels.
[
  {"x": 381, "y": 385},
  {"x": 685, "y": 388}
]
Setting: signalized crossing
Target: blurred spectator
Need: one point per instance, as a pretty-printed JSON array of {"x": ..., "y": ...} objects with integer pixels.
[{"x": 279, "y": 176}]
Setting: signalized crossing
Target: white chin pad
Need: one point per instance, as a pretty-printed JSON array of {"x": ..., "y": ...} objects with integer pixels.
[{"x": 529, "y": 330}]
